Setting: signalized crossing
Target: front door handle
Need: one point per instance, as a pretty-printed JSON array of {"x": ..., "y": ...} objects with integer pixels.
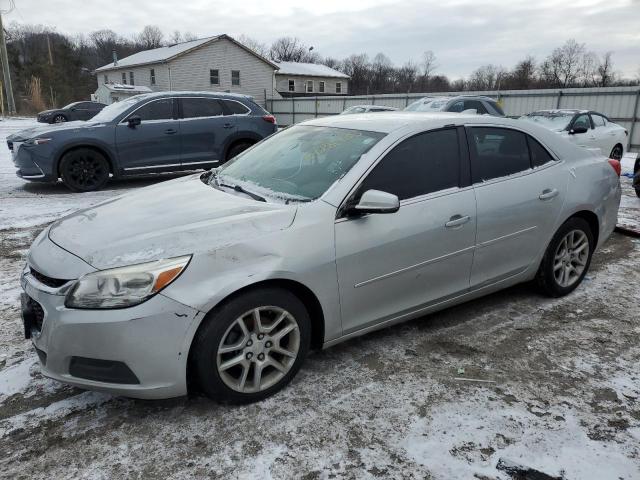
[
  {"x": 170, "y": 131},
  {"x": 228, "y": 125},
  {"x": 548, "y": 194},
  {"x": 457, "y": 221}
]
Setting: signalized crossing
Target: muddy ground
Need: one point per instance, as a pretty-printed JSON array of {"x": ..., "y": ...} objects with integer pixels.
[{"x": 549, "y": 383}]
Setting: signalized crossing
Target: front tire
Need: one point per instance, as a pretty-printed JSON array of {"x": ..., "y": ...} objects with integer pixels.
[
  {"x": 84, "y": 170},
  {"x": 567, "y": 259},
  {"x": 59, "y": 119},
  {"x": 252, "y": 346}
]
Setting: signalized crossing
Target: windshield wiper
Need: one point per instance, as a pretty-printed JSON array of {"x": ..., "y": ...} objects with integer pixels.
[{"x": 238, "y": 188}]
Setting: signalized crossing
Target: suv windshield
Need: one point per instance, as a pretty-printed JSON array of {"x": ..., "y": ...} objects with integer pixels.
[
  {"x": 550, "y": 120},
  {"x": 427, "y": 105},
  {"x": 299, "y": 163},
  {"x": 111, "y": 112}
]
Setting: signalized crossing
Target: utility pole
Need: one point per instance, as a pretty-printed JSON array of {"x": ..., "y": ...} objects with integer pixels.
[{"x": 11, "y": 104}]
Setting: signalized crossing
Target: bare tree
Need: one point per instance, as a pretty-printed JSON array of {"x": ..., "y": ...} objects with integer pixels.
[
  {"x": 150, "y": 37},
  {"x": 407, "y": 77},
  {"x": 565, "y": 65},
  {"x": 523, "y": 75},
  {"x": 429, "y": 66},
  {"x": 189, "y": 37},
  {"x": 331, "y": 62},
  {"x": 358, "y": 68},
  {"x": 606, "y": 75},
  {"x": 253, "y": 44},
  {"x": 292, "y": 49},
  {"x": 176, "y": 37},
  {"x": 487, "y": 77}
]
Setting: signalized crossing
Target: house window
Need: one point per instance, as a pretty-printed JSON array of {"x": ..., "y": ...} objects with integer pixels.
[
  {"x": 214, "y": 77},
  {"x": 152, "y": 76},
  {"x": 321, "y": 87},
  {"x": 292, "y": 85},
  {"x": 309, "y": 86},
  {"x": 131, "y": 78},
  {"x": 124, "y": 78},
  {"x": 106, "y": 79},
  {"x": 235, "y": 77},
  {"x": 338, "y": 87}
]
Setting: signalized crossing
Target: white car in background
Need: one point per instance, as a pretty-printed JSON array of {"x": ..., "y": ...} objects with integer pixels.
[
  {"x": 367, "y": 109},
  {"x": 584, "y": 128}
]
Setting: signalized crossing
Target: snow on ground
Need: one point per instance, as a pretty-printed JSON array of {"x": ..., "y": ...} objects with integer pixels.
[{"x": 548, "y": 383}]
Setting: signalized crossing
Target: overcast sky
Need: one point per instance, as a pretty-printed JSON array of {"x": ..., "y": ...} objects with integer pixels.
[{"x": 463, "y": 33}]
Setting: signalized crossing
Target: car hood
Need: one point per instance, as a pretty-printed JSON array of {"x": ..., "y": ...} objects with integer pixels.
[
  {"x": 46, "y": 129},
  {"x": 178, "y": 217}
]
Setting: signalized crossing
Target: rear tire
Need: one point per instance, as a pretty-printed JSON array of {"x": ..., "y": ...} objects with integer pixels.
[
  {"x": 616, "y": 152},
  {"x": 237, "y": 149},
  {"x": 238, "y": 359},
  {"x": 59, "y": 119},
  {"x": 567, "y": 258},
  {"x": 84, "y": 170}
]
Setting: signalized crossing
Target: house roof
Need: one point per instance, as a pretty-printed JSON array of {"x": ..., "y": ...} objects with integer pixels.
[
  {"x": 308, "y": 69},
  {"x": 118, "y": 87},
  {"x": 164, "y": 54}
]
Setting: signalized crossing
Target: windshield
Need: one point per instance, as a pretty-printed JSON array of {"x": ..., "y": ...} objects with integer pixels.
[
  {"x": 550, "y": 120},
  {"x": 427, "y": 105},
  {"x": 299, "y": 163},
  {"x": 111, "y": 112}
]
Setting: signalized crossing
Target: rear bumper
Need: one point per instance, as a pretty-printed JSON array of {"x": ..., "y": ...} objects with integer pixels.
[{"x": 137, "y": 352}]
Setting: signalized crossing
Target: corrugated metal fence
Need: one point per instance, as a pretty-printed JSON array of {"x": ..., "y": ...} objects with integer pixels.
[{"x": 620, "y": 104}]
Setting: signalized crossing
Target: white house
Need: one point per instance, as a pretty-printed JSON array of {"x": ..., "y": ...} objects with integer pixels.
[
  {"x": 109, "y": 93},
  {"x": 294, "y": 79},
  {"x": 217, "y": 63}
]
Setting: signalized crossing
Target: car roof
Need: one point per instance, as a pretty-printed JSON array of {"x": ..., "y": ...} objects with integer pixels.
[
  {"x": 569, "y": 111},
  {"x": 395, "y": 120},
  {"x": 231, "y": 96}
]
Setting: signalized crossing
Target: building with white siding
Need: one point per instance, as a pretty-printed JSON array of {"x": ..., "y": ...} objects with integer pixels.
[
  {"x": 218, "y": 63},
  {"x": 294, "y": 79}
]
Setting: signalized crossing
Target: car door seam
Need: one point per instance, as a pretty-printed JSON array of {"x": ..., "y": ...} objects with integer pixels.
[{"x": 417, "y": 265}]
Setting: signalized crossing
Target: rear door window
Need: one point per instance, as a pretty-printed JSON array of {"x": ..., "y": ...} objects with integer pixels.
[
  {"x": 425, "y": 163},
  {"x": 200, "y": 107},
  {"x": 475, "y": 105},
  {"x": 598, "y": 120},
  {"x": 235, "y": 108},
  {"x": 157, "y": 110},
  {"x": 498, "y": 152}
]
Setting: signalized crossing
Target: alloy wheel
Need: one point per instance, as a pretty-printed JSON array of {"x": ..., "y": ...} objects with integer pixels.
[
  {"x": 86, "y": 171},
  {"x": 258, "y": 349},
  {"x": 59, "y": 119},
  {"x": 570, "y": 259}
]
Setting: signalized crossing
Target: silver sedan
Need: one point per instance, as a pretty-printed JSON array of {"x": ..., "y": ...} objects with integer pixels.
[{"x": 325, "y": 231}]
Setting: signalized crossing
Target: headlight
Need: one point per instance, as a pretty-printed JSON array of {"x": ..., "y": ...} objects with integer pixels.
[
  {"x": 124, "y": 286},
  {"x": 37, "y": 141}
]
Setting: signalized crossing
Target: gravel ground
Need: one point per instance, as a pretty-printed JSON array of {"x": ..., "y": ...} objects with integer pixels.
[{"x": 552, "y": 384}]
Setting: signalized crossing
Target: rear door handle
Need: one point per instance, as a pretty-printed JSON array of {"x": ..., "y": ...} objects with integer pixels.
[
  {"x": 170, "y": 131},
  {"x": 548, "y": 194},
  {"x": 457, "y": 221},
  {"x": 228, "y": 125}
]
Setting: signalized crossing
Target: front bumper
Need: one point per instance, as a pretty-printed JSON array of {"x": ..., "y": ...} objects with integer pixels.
[
  {"x": 148, "y": 340},
  {"x": 33, "y": 163}
]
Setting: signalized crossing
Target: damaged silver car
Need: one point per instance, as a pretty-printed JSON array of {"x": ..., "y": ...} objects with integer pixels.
[{"x": 327, "y": 230}]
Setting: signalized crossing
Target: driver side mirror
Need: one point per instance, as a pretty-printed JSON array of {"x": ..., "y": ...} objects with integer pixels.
[
  {"x": 133, "y": 121},
  {"x": 375, "y": 201},
  {"x": 575, "y": 130}
]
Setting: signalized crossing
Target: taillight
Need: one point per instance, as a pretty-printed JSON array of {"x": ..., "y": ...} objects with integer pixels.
[
  {"x": 615, "y": 164},
  {"x": 269, "y": 118}
]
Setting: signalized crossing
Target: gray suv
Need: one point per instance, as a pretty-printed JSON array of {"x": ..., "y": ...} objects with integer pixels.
[
  {"x": 481, "y": 104},
  {"x": 150, "y": 133}
]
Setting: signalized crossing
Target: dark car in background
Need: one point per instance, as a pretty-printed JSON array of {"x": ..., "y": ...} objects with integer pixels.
[
  {"x": 461, "y": 103},
  {"x": 149, "y": 133},
  {"x": 73, "y": 111}
]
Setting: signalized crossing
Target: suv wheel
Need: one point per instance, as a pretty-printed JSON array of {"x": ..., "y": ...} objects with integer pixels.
[
  {"x": 567, "y": 259},
  {"x": 237, "y": 149},
  {"x": 252, "y": 346},
  {"x": 84, "y": 170}
]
